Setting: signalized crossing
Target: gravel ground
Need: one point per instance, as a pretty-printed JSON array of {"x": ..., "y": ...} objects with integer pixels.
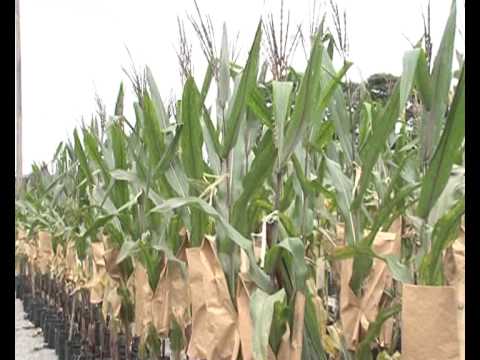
[{"x": 28, "y": 339}]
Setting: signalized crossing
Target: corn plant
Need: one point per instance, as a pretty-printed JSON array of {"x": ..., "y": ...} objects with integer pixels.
[{"x": 263, "y": 175}]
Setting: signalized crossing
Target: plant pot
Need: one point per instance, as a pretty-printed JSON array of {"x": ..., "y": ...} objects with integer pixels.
[
  {"x": 38, "y": 313},
  {"x": 72, "y": 348},
  {"x": 27, "y": 302},
  {"x": 122, "y": 347},
  {"x": 18, "y": 287},
  {"x": 429, "y": 323},
  {"x": 135, "y": 346},
  {"x": 105, "y": 348},
  {"x": 53, "y": 325},
  {"x": 60, "y": 343}
]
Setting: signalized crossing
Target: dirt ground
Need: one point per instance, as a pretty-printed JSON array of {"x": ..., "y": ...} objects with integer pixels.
[{"x": 28, "y": 339}]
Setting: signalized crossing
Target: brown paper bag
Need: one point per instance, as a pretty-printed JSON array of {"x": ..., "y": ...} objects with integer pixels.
[
  {"x": 45, "y": 251},
  {"x": 179, "y": 292},
  {"x": 70, "y": 261},
  {"x": 429, "y": 323},
  {"x": 110, "y": 256},
  {"x": 356, "y": 313},
  {"x": 97, "y": 282},
  {"x": 285, "y": 349},
  {"x": 454, "y": 268},
  {"x": 141, "y": 281},
  {"x": 215, "y": 334},
  {"x": 245, "y": 326},
  {"x": 58, "y": 262},
  {"x": 151, "y": 307},
  {"x": 298, "y": 326}
]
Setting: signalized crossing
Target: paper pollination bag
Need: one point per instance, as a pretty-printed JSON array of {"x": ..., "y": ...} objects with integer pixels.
[
  {"x": 170, "y": 301},
  {"x": 433, "y": 317},
  {"x": 357, "y": 312},
  {"x": 151, "y": 306},
  {"x": 429, "y": 323},
  {"x": 97, "y": 282},
  {"x": 454, "y": 269},
  {"x": 179, "y": 292},
  {"x": 215, "y": 333},
  {"x": 45, "y": 251}
]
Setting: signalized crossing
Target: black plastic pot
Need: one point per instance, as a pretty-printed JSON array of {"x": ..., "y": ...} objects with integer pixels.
[
  {"x": 47, "y": 325},
  {"x": 72, "y": 348},
  {"x": 60, "y": 343},
  {"x": 39, "y": 312},
  {"x": 122, "y": 347},
  {"x": 54, "y": 324},
  {"x": 105, "y": 347},
  {"x": 27, "y": 301},
  {"x": 135, "y": 345},
  {"x": 18, "y": 286},
  {"x": 88, "y": 355}
]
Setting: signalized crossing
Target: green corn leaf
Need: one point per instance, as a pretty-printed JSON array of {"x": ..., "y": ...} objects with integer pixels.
[
  {"x": 80, "y": 154},
  {"x": 118, "y": 143},
  {"x": 152, "y": 134},
  {"x": 224, "y": 72},
  {"x": 207, "y": 82},
  {"x": 365, "y": 123},
  {"x": 256, "y": 102},
  {"x": 192, "y": 139},
  {"x": 247, "y": 83},
  {"x": 410, "y": 61},
  {"x": 388, "y": 207},
  {"x": 364, "y": 352},
  {"x": 119, "y": 103},
  {"x": 323, "y": 137},
  {"x": 305, "y": 102},
  {"x": 440, "y": 78},
  {"x": 375, "y": 143},
  {"x": 261, "y": 311},
  {"x": 339, "y": 112},
  {"x": 454, "y": 189},
  {"x": 170, "y": 152},
  {"x": 331, "y": 87},
  {"x": 400, "y": 271},
  {"x": 442, "y": 162},
  {"x": 312, "y": 334},
  {"x": 157, "y": 100},
  {"x": 128, "y": 249},
  {"x": 192, "y": 142},
  {"x": 281, "y": 91},
  {"x": 295, "y": 248},
  {"x": 343, "y": 188},
  {"x": 444, "y": 231},
  {"x": 91, "y": 147},
  {"x": 260, "y": 170},
  {"x": 423, "y": 80}
]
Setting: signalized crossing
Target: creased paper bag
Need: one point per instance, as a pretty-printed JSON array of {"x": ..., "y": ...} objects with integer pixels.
[
  {"x": 215, "y": 334},
  {"x": 179, "y": 291},
  {"x": 454, "y": 267},
  {"x": 245, "y": 326},
  {"x": 151, "y": 307},
  {"x": 357, "y": 312},
  {"x": 429, "y": 323},
  {"x": 45, "y": 251},
  {"x": 97, "y": 283}
]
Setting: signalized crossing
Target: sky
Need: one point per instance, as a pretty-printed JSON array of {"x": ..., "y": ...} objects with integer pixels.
[{"x": 72, "y": 50}]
